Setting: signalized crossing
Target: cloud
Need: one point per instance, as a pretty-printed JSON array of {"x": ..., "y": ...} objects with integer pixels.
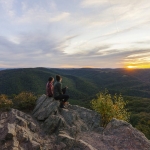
[
  {"x": 39, "y": 49},
  {"x": 32, "y": 12},
  {"x": 33, "y": 48},
  {"x": 145, "y": 42},
  {"x": 93, "y": 51},
  {"x": 39, "y": 15},
  {"x": 138, "y": 59},
  {"x": 89, "y": 3},
  {"x": 6, "y": 45},
  {"x": 139, "y": 55},
  {"x": 122, "y": 14},
  {"x": 7, "y": 6},
  {"x": 97, "y": 3},
  {"x": 116, "y": 32}
]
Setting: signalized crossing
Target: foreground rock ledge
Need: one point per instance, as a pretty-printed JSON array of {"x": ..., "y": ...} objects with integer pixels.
[{"x": 75, "y": 128}]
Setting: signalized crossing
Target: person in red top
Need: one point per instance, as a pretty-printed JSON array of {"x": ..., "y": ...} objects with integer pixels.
[{"x": 50, "y": 87}]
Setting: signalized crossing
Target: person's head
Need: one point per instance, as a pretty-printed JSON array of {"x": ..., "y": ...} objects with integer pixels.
[
  {"x": 50, "y": 79},
  {"x": 58, "y": 78}
]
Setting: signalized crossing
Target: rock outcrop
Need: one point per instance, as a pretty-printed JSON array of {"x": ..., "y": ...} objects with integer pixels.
[
  {"x": 19, "y": 131},
  {"x": 75, "y": 128}
]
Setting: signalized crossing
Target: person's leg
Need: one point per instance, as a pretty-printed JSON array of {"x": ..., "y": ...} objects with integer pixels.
[
  {"x": 64, "y": 90},
  {"x": 61, "y": 99},
  {"x": 65, "y": 97}
]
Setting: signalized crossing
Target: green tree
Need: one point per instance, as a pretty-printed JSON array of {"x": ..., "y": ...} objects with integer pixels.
[
  {"x": 24, "y": 101},
  {"x": 5, "y": 103},
  {"x": 110, "y": 107},
  {"x": 142, "y": 122}
]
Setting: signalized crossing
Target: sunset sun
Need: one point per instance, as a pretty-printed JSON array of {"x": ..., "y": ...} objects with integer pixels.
[{"x": 131, "y": 67}]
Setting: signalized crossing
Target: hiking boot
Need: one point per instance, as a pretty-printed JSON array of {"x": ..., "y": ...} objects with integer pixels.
[{"x": 63, "y": 107}]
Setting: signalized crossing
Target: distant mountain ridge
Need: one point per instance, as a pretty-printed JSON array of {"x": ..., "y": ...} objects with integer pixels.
[
  {"x": 127, "y": 82},
  {"x": 2, "y": 68}
]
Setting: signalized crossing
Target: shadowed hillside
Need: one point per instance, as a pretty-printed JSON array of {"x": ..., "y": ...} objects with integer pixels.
[{"x": 34, "y": 80}]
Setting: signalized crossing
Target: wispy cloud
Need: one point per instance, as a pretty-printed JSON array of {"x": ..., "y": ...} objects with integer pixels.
[
  {"x": 42, "y": 16},
  {"x": 89, "y": 3},
  {"x": 28, "y": 12},
  {"x": 7, "y": 6},
  {"x": 35, "y": 45},
  {"x": 119, "y": 12},
  {"x": 140, "y": 58},
  {"x": 139, "y": 55}
]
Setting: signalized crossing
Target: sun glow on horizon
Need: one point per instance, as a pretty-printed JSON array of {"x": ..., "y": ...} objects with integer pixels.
[
  {"x": 139, "y": 66},
  {"x": 138, "y": 60},
  {"x": 131, "y": 67}
]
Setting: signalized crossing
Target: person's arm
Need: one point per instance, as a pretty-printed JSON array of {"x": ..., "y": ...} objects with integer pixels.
[
  {"x": 59, "y": 89},
  {"x": 51, "y": 89},
  {"x": 64, "y": 90}
]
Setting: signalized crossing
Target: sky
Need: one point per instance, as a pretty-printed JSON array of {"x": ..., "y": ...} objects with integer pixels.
[{"x": 75, "y": 33}]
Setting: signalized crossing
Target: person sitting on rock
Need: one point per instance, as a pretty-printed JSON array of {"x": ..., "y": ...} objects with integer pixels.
[
  {"x": 59, "y": 93},
  {"x": 50, "y": 87}
]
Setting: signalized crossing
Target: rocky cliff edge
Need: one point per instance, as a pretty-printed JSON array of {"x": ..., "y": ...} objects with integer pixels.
[{"x": 74, "y": 128}]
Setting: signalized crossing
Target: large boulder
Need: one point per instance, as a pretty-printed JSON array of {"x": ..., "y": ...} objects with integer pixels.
[
  {"x": 125, "y": 136},
  {"x": 118, "y": 135},
  {"x": 73, "y": 119}
]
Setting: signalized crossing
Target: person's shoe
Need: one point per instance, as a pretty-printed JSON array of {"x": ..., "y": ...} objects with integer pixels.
[
  {"x": 63, "y": 107},
  {"x": 66, "y": 103}
]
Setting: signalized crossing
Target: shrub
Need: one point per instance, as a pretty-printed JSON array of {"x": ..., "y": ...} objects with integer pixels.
[
  {"x": 5, "y": 103},
  {"x": 24, "y": 101},
  {"x": 110, "y": 107}
]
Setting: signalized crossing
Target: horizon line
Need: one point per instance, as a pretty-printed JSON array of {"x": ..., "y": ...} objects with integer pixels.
[{"x": 71, "y": 68}]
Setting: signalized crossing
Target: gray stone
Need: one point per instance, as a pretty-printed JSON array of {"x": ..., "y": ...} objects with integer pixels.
[
  {"x": 91, "y": 118},
  {"x": 75, "y": 128},
  {"x": 17, "y": 132},
  {"x": 43, "y": 110},
  {"x": 54, "y": 123}
]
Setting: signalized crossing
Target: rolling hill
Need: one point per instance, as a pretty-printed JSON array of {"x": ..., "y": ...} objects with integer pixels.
[{"x": 82, "y": 83}]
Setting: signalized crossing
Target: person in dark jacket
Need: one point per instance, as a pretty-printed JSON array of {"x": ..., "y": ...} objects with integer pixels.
[
  {"x": 59, "y": 93},
  {"x": 50, "y": 87}
]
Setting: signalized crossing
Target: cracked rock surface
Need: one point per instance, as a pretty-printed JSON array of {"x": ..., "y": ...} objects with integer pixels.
[{"x": 74, "y": 128}]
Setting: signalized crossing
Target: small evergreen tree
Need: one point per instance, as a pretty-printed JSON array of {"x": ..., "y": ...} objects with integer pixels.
[{"x": 110, "y": 107}]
